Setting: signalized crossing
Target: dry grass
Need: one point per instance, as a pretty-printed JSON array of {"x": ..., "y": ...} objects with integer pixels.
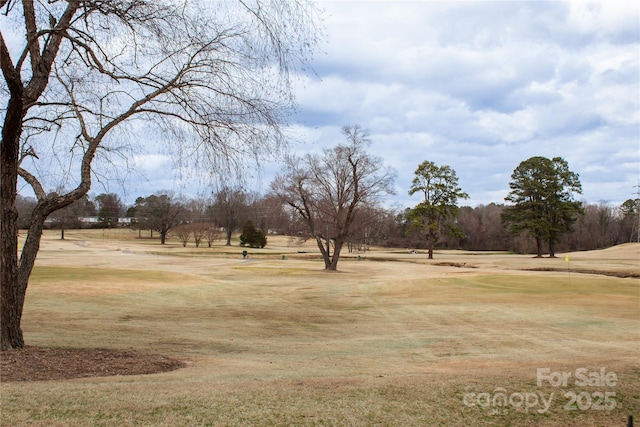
[{"x": 280, "y": 342}]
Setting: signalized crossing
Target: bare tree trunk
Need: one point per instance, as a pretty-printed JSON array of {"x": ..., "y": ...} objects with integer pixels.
[
  {"x": 324, "y": 251},
  {"x": 432, "y": 237},
  {"x": 10, "y": 333},
  {"x": 15, "y": 275},
  {"x": 330, "y": 260},
  {"x": 10, "y": 293},
  {"x": 336, "y": 255},
  {"x": 538, "y": 247},
  {"x": 13, "y": 282},
  {"x": 13, "y": 292},
  {"x": 27, "y": 261},
  {"x": 13, "y": 296}
]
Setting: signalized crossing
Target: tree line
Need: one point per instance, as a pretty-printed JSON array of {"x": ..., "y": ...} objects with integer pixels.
[{"x": 227, "y": 210}]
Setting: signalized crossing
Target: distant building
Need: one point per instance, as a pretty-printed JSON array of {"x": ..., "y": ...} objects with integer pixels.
[{"x": 91, "y": 221}]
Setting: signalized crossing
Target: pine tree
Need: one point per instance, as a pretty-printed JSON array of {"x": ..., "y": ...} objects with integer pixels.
[{"x": 542, "y": 196}]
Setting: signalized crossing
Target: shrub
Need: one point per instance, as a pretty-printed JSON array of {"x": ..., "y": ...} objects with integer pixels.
[{"x": 252, "y": 237}]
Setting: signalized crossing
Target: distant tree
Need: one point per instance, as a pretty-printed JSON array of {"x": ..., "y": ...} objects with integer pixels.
[
  {"x": 252, "y": 236},
  {"x": 398, "y": 233},
  {"x": 326, "y": 191},
  {"x": 184, "y": 233},
  {"x": 86, "y": 207},
  {"x": 542, "y": 200},
  {"x": 482, "y": 228},
  {"x": 70, "y": 216},
  {"x": 110, "y": 209},
  {"x": 270, "y": 215},
  {"x": 212, "y": 233},
  {"x": 605, "y": 221},
  {"x": 198, "y": 218},
  {"x": 131, "y": 212},
  {"x": 630, "y": 219},
  {"x": 431, "y": 217},
  {"x": 370, "y": 227},
  {"x": 65, "y": 218},
  {"x": 402, "y": 221},
  {"x": 24, "y": 207},
  {"x": 158, "y": 212},
  {"x": 229, "y": 209},
  {"x": 199, "y": 230}
]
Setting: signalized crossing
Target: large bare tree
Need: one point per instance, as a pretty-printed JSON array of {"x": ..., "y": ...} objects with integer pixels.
[
  {"x": 329, "y": 190},
  {"x": 83, "y": 78}
]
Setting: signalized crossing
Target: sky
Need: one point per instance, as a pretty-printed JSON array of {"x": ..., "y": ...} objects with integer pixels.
[
  {"x": 476, "y": 85},
  {"x": 481, "y": 86}
]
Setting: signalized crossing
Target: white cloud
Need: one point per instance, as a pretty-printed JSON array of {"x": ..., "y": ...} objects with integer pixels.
[
  {"x": 478, "y": 85},
  {"x": 482, "y": 86}
]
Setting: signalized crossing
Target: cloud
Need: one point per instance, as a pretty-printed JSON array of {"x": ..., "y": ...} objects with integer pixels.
[
  {"x": 477, "y": 85},
  {"x": 482, "y": 86}
]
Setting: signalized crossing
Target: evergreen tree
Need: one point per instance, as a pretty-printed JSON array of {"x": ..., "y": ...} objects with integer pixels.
[
  {"x": 252, "y": 237},
  {"x": 542, "y": 196},
  {"x": 439, "y": 184}
]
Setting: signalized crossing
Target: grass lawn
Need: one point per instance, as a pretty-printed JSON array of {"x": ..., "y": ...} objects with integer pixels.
[{"x": 273, "y": 341}]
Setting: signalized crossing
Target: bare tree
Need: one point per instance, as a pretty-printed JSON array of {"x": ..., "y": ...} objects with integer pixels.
[
  {"x": 273, "y": 216},
  {"x": 212, "y": 233},
  {"x": 184, "y": 233},
  {"x": 229, "y": 209},
  {"x": 482, "y": 228},
  {"x": 199, "y": 230},
  {"x": 197, "y": 218},
  {"x": 369, "y": 228},
  {"x": 70, "y": 216},
  {"x": 215, "y": 74},
  {"x": 327, "y": 191},
  {"x": 159, "y": 213}
]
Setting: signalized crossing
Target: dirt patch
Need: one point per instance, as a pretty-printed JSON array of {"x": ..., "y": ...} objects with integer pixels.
[
  {"x": 42, "y": 364},
  {"x": 455, "y": 264}
]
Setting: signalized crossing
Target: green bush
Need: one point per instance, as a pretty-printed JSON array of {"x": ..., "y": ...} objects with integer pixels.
[{"x": 252, "y": 236}]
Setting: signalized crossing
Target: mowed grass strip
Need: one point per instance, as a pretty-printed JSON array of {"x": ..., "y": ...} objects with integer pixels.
[
  {"x": 102, "y": 280},
  {"x": 283, "y": 343}
]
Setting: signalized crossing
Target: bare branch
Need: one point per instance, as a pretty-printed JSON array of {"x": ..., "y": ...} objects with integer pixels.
[{"x": 215, "y": 75}]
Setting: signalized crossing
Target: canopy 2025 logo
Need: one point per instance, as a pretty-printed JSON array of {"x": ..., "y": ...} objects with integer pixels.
[
  {"x": 597, "y": 400},
  {"x": 582, "y": 377}
]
